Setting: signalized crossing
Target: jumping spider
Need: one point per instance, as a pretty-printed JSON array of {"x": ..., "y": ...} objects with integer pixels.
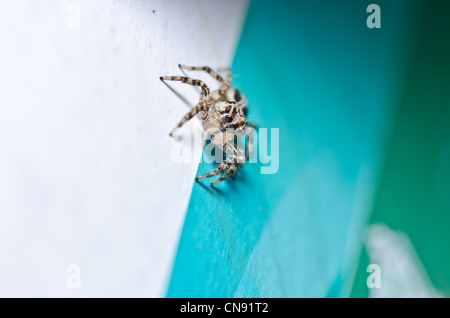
[{"x": 223, "y": 112}]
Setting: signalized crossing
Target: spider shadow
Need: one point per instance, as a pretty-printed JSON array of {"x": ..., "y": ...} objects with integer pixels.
[
  {"x": 181, "y": 97},
  {"x": 211, "y": 189}
]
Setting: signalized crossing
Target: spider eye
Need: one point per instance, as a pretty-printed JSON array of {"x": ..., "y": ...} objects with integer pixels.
[
  {"x": 228, "y": 119},
  {"x": 227, "y": 110}
]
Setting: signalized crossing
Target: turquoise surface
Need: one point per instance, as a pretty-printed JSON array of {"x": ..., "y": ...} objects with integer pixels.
[{"x": 315, "y": 71}]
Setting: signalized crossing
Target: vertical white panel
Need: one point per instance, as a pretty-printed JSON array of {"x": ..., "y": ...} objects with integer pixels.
[{"x": 86, "y": 175}]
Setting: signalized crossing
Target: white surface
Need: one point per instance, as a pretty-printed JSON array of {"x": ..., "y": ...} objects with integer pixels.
[{"x": 86, "y": 175}]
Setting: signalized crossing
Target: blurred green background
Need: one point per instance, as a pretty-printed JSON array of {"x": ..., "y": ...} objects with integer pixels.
[
  {"x": 364, "y": 124},
  {"x": 414, "y": 192}
]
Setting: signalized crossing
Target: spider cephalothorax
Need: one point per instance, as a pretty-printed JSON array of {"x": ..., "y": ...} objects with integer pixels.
[
  {"x": 223, "y": 113},
  {"x": 231, "y": 116}
]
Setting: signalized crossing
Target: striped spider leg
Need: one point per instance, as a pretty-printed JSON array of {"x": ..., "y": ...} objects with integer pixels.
[
  {"x": 235, "y": 157},
  {"x": 223, "y": 112}
]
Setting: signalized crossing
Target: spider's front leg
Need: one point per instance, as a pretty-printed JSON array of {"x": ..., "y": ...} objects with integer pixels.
[
  {"x": 210, "y": 71},
  {"x": 194, "y": 111},
  {"x": 226, "y": 82},
  {"x": 194, "y": 82}
]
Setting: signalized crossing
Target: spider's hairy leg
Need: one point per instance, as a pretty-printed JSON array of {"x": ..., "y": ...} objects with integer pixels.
[
  {"x": 221, "y": 168},
  {"x": 194, "y": 111},
  {"x": 195, "y": 82},
  {"x": 210, "y": 71},
  {"x": 235, "y": 160},
  {"x": 230, "y": 172}
]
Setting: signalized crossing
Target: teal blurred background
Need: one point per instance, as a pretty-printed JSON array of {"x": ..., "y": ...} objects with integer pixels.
[{"x": 364, "y": 177}]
